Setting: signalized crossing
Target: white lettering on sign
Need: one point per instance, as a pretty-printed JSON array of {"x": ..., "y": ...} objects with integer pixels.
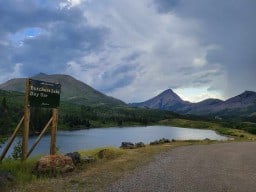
[
  {"x": 34, "y": 94},
  {"x": 43, "y": 95},
  {"x": 42, "y": 89}
]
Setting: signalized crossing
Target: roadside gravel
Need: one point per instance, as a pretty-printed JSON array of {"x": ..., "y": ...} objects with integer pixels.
[{"x": 224, "y": 167}]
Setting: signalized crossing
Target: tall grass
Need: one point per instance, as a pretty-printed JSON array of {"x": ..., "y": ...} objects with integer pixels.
[
  {"x": 110, "y": 152},
  {"x": 22, "y": 171}
]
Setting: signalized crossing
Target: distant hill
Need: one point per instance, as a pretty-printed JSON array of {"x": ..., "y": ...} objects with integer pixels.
[
  {"x": 241, "y": 105},
  {"x": 72, "y": 90}
]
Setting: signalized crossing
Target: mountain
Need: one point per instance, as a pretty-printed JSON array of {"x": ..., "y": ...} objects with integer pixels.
[
  {"x": 167, "y": 100},
  {"x": 72, "y": 90},
  {"x": 240, "y": 105},
  {"x": 243, "y": 104}
]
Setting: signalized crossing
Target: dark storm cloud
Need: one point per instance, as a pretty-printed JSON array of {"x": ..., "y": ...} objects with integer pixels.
[
  {"x": 165, "y": 6},
  {"x": 132, "y": 57},
  {"x": 63, "y": 36},
  {"x": 119, "y": 77},
  {"x": 64, "y": 43},
  {"x": 123, "y": 47},
  {"x": 18, "y": 14},
  {"x": 231, "y": 26}
]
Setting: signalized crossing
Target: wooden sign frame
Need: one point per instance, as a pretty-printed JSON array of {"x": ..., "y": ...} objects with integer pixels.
[{"x": 25, "y": 122}]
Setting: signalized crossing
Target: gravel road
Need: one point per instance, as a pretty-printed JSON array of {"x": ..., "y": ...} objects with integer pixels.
[{"x": 225, "y": 167}]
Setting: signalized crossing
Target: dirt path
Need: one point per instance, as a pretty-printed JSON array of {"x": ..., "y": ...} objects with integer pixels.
[{"x": 226, "y": 167}]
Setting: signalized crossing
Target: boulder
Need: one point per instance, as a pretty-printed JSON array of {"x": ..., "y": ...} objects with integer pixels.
[
  {"x": 75, "y": 156},
  {"x": 127, "y": 145},
  {"x": 52, "y": 165},
  {"x": 160, "y": 141}
]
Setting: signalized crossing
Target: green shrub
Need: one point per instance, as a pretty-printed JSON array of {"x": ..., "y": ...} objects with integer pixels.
[{"x": 17, "y": 151}]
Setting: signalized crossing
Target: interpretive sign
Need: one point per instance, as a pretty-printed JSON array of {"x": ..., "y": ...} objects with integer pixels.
[
  {"x": 37, "y": 94},
  {"x": 43, "y": 94}
]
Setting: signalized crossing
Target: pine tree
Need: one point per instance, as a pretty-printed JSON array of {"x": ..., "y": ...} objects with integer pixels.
[{"x": 4, "y": 106}]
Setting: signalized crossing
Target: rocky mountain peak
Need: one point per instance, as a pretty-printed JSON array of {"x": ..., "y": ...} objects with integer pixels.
[{"x": 169, "y": 95}]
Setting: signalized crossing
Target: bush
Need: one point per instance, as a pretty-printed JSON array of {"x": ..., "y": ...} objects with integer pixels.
[
  {"x": 17, "y": 151},
  {"x": 109, "y": 153}
]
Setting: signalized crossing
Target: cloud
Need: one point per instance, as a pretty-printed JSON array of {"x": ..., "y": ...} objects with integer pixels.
[
  {"x": 59, "y": 36},
  {"x": 133, "y": 50},
  {"x": 14, "y": 73},
  {"x": 233, "y": 31},
  {"x": 163, "y": 45}
]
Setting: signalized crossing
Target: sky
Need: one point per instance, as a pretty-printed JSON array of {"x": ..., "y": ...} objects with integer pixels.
[{"x": 133, "y": 50}]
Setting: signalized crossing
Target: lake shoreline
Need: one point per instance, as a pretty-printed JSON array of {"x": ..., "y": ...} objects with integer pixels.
[{"x": 68, "y": 141}]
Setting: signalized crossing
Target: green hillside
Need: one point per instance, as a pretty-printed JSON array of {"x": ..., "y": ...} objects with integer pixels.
[
  {"x": 74, "y": 116},
  {"x": 72, "y": 90}
]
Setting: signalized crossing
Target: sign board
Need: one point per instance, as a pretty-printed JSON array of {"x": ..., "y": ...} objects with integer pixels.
[{"x": 43, "y": 94}]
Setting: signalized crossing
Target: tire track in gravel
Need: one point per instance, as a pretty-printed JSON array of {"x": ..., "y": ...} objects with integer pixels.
[{"x": 224, "y": 167}]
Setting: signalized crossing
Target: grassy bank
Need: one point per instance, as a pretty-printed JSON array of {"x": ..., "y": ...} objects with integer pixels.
[
  {"x": 87, "y": 177},
  {"x": 237, "y": 134}
]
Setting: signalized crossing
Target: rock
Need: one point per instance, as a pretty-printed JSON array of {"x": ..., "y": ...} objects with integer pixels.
[
  {"x": 160, "y": 141},
  {"x": 139, "y": 145},
  {"x": 51, "y": 165},
  {"x": 127, "y": 145},
  {"x": 88, "y": 159},
  {"x": 75, "y": 156}
]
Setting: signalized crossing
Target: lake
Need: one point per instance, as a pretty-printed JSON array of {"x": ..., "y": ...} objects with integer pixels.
[{"x": 69, "y": 141}]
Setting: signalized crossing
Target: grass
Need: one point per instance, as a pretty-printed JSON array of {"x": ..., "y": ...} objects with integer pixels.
[
  {"x": 236, "y": 134},
  {"x": 92, "y": 177},
  {"x": 116, "y": 162},
  {"x": 22, "y": 171}
]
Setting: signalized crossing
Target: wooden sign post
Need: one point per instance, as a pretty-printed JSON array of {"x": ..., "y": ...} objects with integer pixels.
[
  {"x": 26, "y": 123},
  {"x": 54, "y": 131},
  {"x": 47, "y": 95},
  {"x": 37, "y": 94}
]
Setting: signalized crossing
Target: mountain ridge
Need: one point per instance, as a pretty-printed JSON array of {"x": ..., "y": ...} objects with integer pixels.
[
  {"x": 72, "y": 90},
  {"x": 242, "y": 104},
  {"x": 75, "y": 91}
]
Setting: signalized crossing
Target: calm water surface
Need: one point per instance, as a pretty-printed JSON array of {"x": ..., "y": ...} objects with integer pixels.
[{"x": 68, "y": 141}]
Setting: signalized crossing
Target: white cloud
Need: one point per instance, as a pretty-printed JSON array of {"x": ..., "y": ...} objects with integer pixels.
[
  {"x": 199, "y": 62},
  {"x": 194, "y": 94},
  {"x": 75, "y": 2},
  {"x": 129, "y": 50},
  {"x": 169, "y": 49},
  {"x": 69, "y": 4},
  {"x": 15, "y": 73}
]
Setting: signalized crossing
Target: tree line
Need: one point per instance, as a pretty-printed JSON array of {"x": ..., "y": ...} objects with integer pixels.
[{"x": 73, "y": 116}]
